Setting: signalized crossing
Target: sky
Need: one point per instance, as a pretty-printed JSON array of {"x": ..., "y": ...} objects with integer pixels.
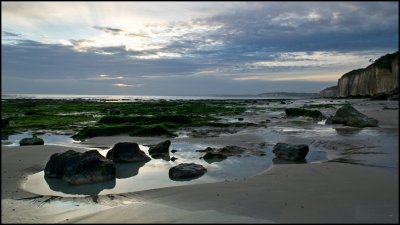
[{"x": 189, "y": 48}]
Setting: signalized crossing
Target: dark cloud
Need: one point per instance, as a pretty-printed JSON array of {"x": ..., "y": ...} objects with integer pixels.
[
  {"x": 10, "y": 34},
  {"x": 109, "y": 30}
]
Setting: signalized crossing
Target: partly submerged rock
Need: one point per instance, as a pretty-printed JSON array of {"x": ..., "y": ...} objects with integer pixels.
[
  {"x": 162, "y": 147},
  {"x": 216, "y": 155},
  {"x": 186, "y": 171},
  {"x": 349, "y": 116},
  {"x": 290, "y": 152},
  {"x": 160, "y": 150},
  {"x": 127, "y": 152},
  {"x": 80, "y": 168},
  {"x": 31, "y": 141}
]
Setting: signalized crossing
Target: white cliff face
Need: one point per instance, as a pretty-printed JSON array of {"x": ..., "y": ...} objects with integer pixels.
[
  {"x": 369, "y": 81},
  {"x": 331, "y": 92}
]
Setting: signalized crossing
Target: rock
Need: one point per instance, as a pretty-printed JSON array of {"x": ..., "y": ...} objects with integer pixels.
[
  {"x": 211, "y": 157},
  {"x": 162, "y": 147},
  {"x": 186, "y": 171},
  {"x": 127, "y": 152},
  {"x": 216, "y": 155},
  {"x": 240, "y": 119},
  {"x": 349, "y": 116},
  {"x": 382, "y": 76},
  {"x": 290, "y": 152},
  {"x": 330, "y": 92},
  {"x": 173, "y": 158},
  {"x": 160, "y": 150},
  {"x": 380, "y": 96},
  {"x": 80, "y": 168},
  {"x": 5, "y": 122},
  {"x": 173, "y": 151},
  {"x": 31, "y": 141}
]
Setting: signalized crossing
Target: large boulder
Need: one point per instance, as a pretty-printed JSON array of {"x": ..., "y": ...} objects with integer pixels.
[
  {"x": 349, "y": 116},
  {"x": 80, "y": 168},
  {"x": 186, "y": 171},
  {"x": 127, "y": 152},
  {"x": 31, "y": 141},
  {"x": 290, "y": 152}
]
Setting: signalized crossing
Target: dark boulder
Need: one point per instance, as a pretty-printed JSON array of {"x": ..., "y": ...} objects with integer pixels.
[
  {"x": 162, "y": 147},
  {"x": 160, "y": 150},
  {"x": 127, "y": 152},
  {"x": 185, "y": 171},
  {"x": 31, "y": 141},
  {"x": 290, "y": 152},
  {"x": 80, "y": 168},
  {"x": 349, "y": 116}
]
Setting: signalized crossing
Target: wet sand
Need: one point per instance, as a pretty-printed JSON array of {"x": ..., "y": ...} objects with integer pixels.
[{"x": 326, "y": 192}]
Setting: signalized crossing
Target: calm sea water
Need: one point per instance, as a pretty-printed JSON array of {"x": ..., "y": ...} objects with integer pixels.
[{"x": 130, "y": 98}]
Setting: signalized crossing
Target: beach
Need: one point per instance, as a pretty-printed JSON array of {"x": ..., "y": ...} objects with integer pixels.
[{"x": 322, "y": 192}]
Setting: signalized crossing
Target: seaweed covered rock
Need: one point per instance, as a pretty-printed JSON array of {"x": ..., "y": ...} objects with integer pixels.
[
  {"x": 186, "y": 171},
  {"x": 349, "y": 116},
  {"x": 31, "y": 141},
  {"x": 80, "y": 168},
  {"x": 303, "y": 112},
  {"x": 152, "y": 130},
  {"x": 127, "y": 152},
  {"x": 290, "y": 152}
]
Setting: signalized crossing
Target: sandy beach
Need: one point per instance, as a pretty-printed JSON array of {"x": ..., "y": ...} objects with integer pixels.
[{"x": 327, "y": 192}]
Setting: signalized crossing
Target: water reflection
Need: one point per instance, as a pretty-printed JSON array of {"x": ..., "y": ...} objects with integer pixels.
[
  {"x": 277, "y": 161},
  {"x": 212, "y": 160},
  {"x": 347, "y": 131},
  {"x": 126, "y": 170},
  {"x": 59, "y": 185}
]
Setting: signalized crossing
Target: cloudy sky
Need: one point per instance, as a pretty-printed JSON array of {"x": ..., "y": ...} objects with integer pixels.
[{"x": 189, "y": 48}]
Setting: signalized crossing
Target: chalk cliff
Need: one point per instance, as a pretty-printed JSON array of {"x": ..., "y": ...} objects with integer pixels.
[
  {"x": 330, "y": 92},
  {"x": 382, "y": 76}
]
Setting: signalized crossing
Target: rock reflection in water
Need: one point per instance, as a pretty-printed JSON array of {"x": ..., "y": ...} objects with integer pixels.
[
  {"x": 126, "y": 170},
  {"x": 347, "y": 131},
  {"x": 59, "y": 185},
  {"x": 277, "y": 161}
]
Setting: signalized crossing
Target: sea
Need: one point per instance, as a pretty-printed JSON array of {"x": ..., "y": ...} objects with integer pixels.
[{"x": 133, "y": 98}]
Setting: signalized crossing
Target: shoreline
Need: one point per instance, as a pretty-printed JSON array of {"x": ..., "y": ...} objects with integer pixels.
[{"x": 291, "y": 193}]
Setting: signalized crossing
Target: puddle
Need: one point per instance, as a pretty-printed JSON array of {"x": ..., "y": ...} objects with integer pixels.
[{"x": 153, "y": 174}]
